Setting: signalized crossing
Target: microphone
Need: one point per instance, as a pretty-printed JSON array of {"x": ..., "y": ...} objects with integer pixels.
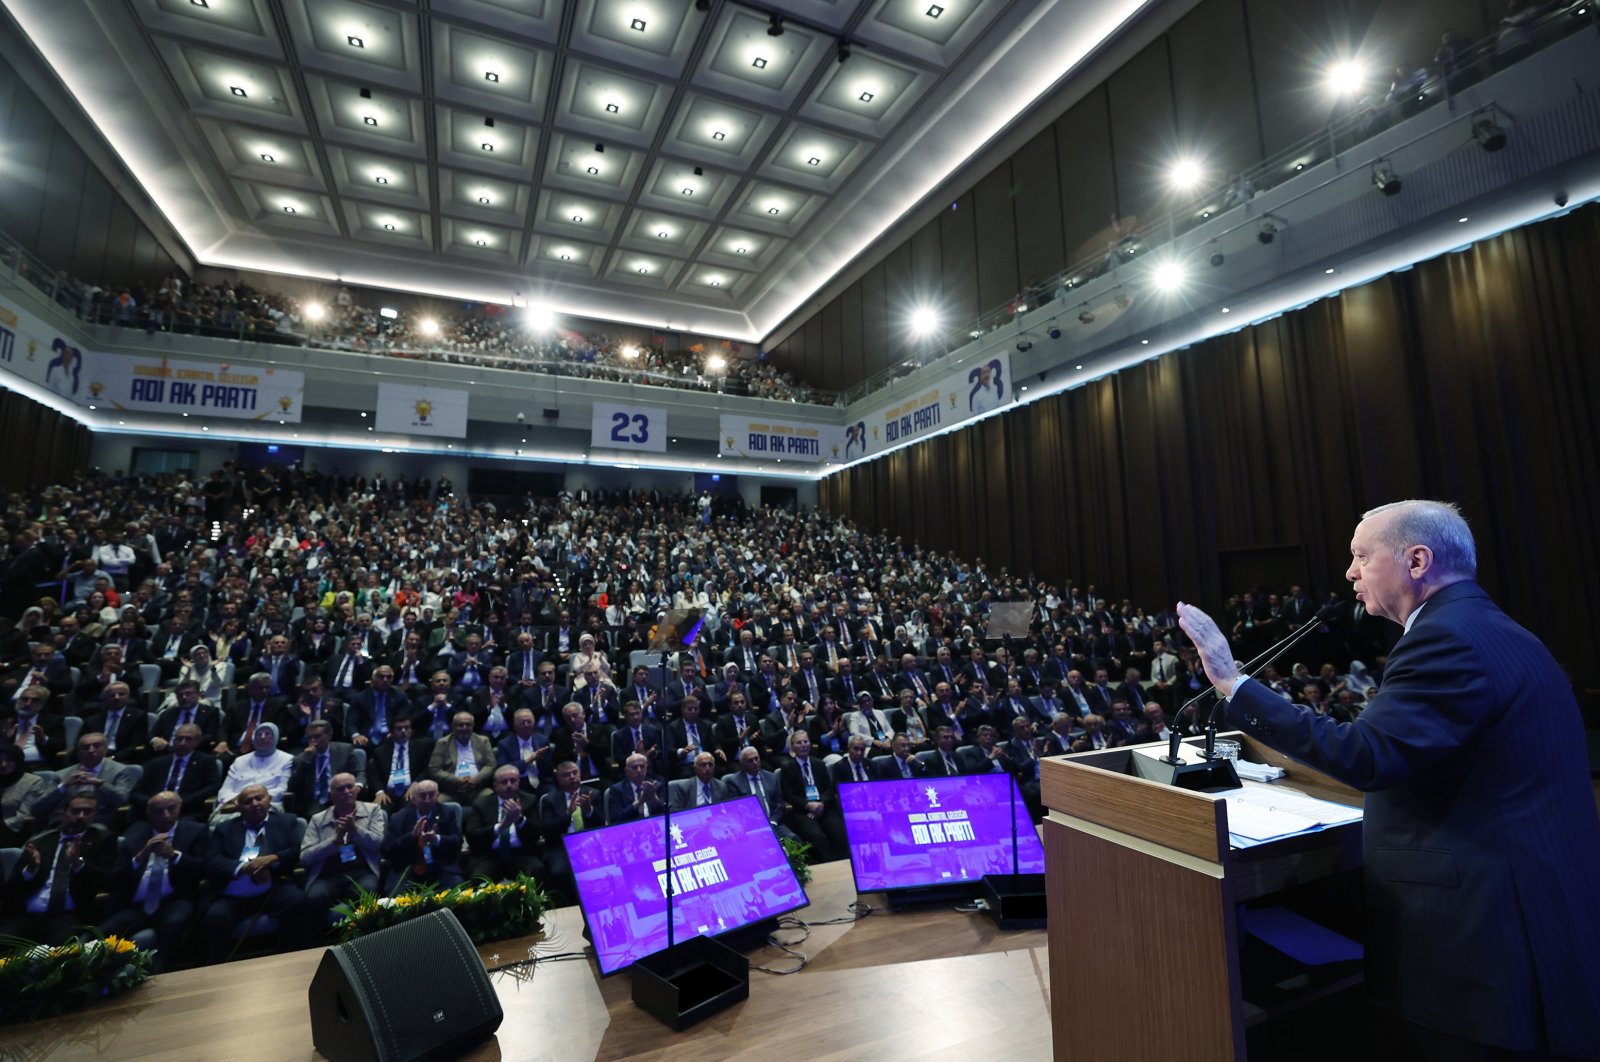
[{"x": 1251, "y": 669}]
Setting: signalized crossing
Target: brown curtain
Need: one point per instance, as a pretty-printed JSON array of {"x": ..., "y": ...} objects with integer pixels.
[
  {"x": 38, "y": 446},
  {"x": 1473, "y": 377}
]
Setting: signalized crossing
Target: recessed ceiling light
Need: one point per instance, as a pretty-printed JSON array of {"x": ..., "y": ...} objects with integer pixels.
[
  {"x": 1462, "y": 221},
  {"x": 488, "y": 146},
  {"x": 288, "y": 210},
  {"x": 719, "y": 135},
  {"x": 644, "y": 269},
  {"x": 934, "y": 11},
  {"x": 865, "y": 97},
  {"x": 1078, "y": 367},
  {"x": 1142, "y": 343},
  {"x": 663, "y": 234},
  {"x": 578, "y": 218},
  {"x": 688, "y": 191},
  {"x": 759, "y": 63},
  {"x": 369, "y": 119},
  {"x": 355, "y": 42},
  {"x": 236, "y": 90},
  {"x": 594, "y": 170},
  {"x": 1329, "y": 272},
  {"x": 740, "y": 250},
  {"x": 637, "y": 24},
  {"x": 772, "y": 210},
  {"x": 1226, "y": 310},
  {"x": 490, "y": 75},
  {"x": 265, "y": 157},
  {"x": 200, "y": 3},
  {"x": 813, "y": 161},
  {"x": 716, "y": 283},
  {"x": 484, "y": 200},
  {"x": 481, "y": 242},
  {"x": 612, "y": 108},
  {"x": 380, "y": 180},
  {"x": 388, "y": 226},
  {"x": 566, "y": 257}
]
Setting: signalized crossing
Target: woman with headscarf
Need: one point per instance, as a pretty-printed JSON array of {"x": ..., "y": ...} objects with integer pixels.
[
  {"x": 1360, "y": 681},
  {"x": 588, "y": 660},
  {"x": 266, "y": 765},
  {"x": 18, "y": 792}
]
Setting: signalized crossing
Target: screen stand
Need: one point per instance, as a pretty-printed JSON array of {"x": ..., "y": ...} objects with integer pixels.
[
  {"x": 690, "y": 981},
  {"x": 1015, "y": 900},
  {"x": 901, "y": 899}
]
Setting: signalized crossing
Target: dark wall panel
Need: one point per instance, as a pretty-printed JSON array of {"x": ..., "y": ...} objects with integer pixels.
[
  {"x": 874, "y": 320},
  {"x": 1088, "y": 192},
  {"x": 1036, "y": 175},
  {"x": 1216, "y": 112},
  {"x": 1282, "y": 434},
  {"x": 998, "y": 281},
  {"x": 833, "y": 376},
  {"x": 1143, "y": 143},
  {"x": 899, "y": 296},
  {"x": 89, "y": 233},
  {"x": 925, "y": 281},
  {"x": 27, "y": 166},
  {"x": 852, "y": 346},
  {"x": 63, "y": 188},
  {"x": 958, "y": 253}
]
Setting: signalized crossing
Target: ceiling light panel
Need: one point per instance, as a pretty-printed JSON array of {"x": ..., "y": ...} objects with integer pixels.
[
  {"x": 774, "y": 208},
  {"x": 653, "y": 232},
  {"x": 505, "y": 148},
  {"x": 643, "y": 270},
  {"x": 610, "y": 105},
  {"x": 645, "y": 35},
  {"x": 867, "y": 94},
  {"x": 560, "y": 256},
  {"x": 744, "y": 62},
  {"x": 325, "y": 35},
  {"x": 700, "y": 118},
  {"x": 384, "y": 120},
  {"x": 274, "y": 206},
  {"x": 821, "y": 161},
  {"x": 558, "y": 214},
  {"x": 724, "y": 283},
  {"x": 476, "y": 240},
  {"x": 230, "y": 87},
  {"x": 538, "y": 20},
  {"x": 908, "y": 26},
  {"x": 383, "y": 178},
  {"x": 242, "y": 24},
  {"x": 388, "y": 225},
  {"x": 572, "y": 156},
  {"x": 464, "y": 193},
  {"x": 742, "y": 249},
  {"x": 674, "y": 186},
  {"x": 274, "y": 157},
  {"x": 475, "y": 70}
]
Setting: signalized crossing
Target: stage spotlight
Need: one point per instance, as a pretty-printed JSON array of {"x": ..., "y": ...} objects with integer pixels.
[
  {"x": 775, "y": 27},
  {"x": 1268, "y": 231},
  {"x": 1384, "y": 179},
  {"x": 1055, "y": 331},
  {"x": 1216, "y": 259},
  {"x": 1024, "y": 345},
  {"x": 1085, "y": 317},
  {"x": 315, "y": 312},
  {"x": 1185, "y": 175},
  {"x": 1489, "y": 136},
  {"x": 539, "y": 318},
  {"x": 1561, "y": 199},
  {"x": 844, "y": 51},
  {"x": 924, "y": 321},
  {"x": 1345, "y": 77},
  {"x": 716, "y": 363},
  {"x": 429, "y": 326},
  {"x": 1170, "y": 276}
]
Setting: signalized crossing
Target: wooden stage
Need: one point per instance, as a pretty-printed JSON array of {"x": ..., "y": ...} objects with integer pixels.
[{"x": 925, "y": 983}]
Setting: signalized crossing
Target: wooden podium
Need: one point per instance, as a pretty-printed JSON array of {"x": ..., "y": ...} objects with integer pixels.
[{"x": 1144, "y": 894}]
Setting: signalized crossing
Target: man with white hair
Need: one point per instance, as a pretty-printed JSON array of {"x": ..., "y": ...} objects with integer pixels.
[{"x": 1482, "y": 843}]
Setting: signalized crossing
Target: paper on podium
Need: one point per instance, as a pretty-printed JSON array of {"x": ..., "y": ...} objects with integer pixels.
[{"x": 1258, "y": 813}]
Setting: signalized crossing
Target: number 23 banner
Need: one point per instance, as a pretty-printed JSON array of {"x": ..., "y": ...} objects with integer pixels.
[{"x": 620, "y": 427}]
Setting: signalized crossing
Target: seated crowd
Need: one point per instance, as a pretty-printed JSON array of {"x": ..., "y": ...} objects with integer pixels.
[
  {"x": 481, "y": 334},
  {"x": 229, "y": 707}
]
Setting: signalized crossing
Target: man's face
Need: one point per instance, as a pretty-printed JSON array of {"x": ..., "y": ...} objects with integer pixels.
[
  {"x": 1101, "y": 678},
  {"x": 736, "y": 704},
  {"x": 382, "y": 678},
  {"x": 1381, "y": 579},
  {"x": 439, "y": 683},
  {"x": 547, "y": 676},
  {"x": 705, "y": 767},
  {"x": 184, "y": 741},
  {"x": 461, "y": 727},
  {"x": 567, "y": 779},
  {"x": 111, "y": 657},
  {"x": 402, "y": 728},
  {"x": 800, "y": 746},
  {"x": 425, "y": 798},
  {"x": 188, "y": 697},
  {"x": 632, "y": 714},
  {"x": 318, "y": 740},
  {"x": 900, "y": 746},
  {"x": 91, "y": 750},
  {"x": 806, "y": 661},
  {"x": 254, "y": 803},
  {"x": 524, "y": 724},
  {"x": 277, "y": 645},
  {"x": 636, "y": 769},
  {"x": 505, "y": 784},
  {"x": 162, "y": 813},
  {"x": 749, "y": 759},
  {"x": 691, "y": 711},
  {"x": 79, "y": 815},
  {"x": 1156, "y": 716},
  {"x": 342, "y": 792}
]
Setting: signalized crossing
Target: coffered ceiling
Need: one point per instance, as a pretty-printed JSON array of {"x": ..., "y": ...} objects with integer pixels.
[{"x": 633, "y": 160}]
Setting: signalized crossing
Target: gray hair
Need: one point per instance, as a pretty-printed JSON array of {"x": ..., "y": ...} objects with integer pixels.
[{"x": 1435, "y": 524}]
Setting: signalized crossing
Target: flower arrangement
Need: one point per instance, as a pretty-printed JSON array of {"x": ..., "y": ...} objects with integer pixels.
[
  {"x": 799, "y": 854},
  {"x": 39, "y": 982},
  {"x": 487, "y": 910}
]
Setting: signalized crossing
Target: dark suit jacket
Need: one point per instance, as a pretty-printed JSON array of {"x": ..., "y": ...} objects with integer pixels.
[
  {"x": 303, "y": 776},
  {"x": 886, "y": 767},
  {"x": 97, "y": 849},
  {"x": 479, "y": 828},
  {"x": 933, "y": 760},
  {"x": 619, "y": 801},
  {"x": 360, "y": 713},
  {"x": 201, "y": 780},
  {"x": 599, "y": 749},
  {"x": 555, "y": 820},
  {"x": 974, "y": 760},
  {"x": 207, "y": 718},
  {"x": 190, "y": 838},
  {"x": 1482, "y": 846},
  {"x": 684, "y": 793},
  {"x": 793, "y": 785},
  {"x": 400, "y": 845},
  {"x": 231, "y": 729},
  {"x": 282, "y": 839},
  {"x": 841, "y": 770},
  {"x": 739, "y": 782},
  {"x": 380, "y": 762},
  {"x": 133, "y": 730},
  {"x": 622, "y": 743}
]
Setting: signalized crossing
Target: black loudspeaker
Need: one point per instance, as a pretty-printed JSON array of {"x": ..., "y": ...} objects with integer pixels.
[{"x": 413, "y": 991}]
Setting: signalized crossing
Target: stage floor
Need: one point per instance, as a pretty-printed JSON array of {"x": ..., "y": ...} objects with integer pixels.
[{"x": 929, "y": 982}]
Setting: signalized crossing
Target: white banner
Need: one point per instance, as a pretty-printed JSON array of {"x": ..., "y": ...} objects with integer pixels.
[
  {"x": 144, "y": 384},
  {"x": 628, "y": 427},
  {"x": 960, "y": 396},
  {"x": 435, "y": 411},
  {"x": 796, "y": 440}
]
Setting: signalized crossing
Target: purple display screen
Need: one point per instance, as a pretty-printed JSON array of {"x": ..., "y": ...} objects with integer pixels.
[
  {"x": 728, "y": 871},
  {"x": 923, "y": 832}
]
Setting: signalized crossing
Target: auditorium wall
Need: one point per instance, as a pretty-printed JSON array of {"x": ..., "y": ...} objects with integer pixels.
[
  {"x": 44, "y": 446},
  {"x": 1233, "y": 82},
  {"x": 46, "y": 177},
  {"x": 1470, "y": 377}
]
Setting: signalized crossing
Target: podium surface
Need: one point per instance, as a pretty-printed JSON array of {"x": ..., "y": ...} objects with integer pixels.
[{"x": 1145, "y": 894}]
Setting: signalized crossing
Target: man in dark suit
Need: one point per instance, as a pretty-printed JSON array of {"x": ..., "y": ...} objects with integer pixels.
[
  {"x": 370, "y": 713},
  {"x": 852, "y": 766},
  {"x": 248, "y": 874},
  {"x": 751, "y": 780},
  {"x": 528, "y": 751},
  {"x": 941, "y": 760},
  {"x": 808, "y": 790},
  {"x": 738, "y": 729},
  {"x": 701, "y": 788},
  {"x": 50, "y": 893},
  {"x": 423, "y": 840},
  {"x": 348, "y": 672},
  {"x": 194, "y": 775},
  {"x": 127, "y": 728},
  {"x": 400, "y": 760},
  {"x": 189, "y": 709},
  {"x": 93, "y": 681},
  {"x": 584, "y": 743},
  {"x": 503, "y": 832},
  {"x": 43, "y": 670},
  {"x": 986, "y": 756},
  {"x": 157, "y": 880},
  {"x": 311, "y": 779},
  {"x": 252, "y": 708},
  {"x": 687, "y": 737},
  {"x": 1482, "y": 844},
  {"x": 569, "y": 808},
  {"x": 900, "y": 763},
  {"x": 638, "y": 795},
  {"x": 633, "y": 735},
  {"x": 547, "y": 699}
]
